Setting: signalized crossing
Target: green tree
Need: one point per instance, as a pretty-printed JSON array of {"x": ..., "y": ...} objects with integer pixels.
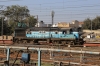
[
  {"x": 87, "y": 24},
  {"x": 0, "y": 25},
  {"x": 18, "y": 14},
  {"x": 15, "y": 14},
  {"x": 31, "y": 21},
  {"x": 95, "y": 23},
  {"x": 6, "y": 28}
]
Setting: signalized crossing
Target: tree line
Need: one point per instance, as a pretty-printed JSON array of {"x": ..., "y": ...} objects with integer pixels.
[
  {"x": 92, "y": 23},
  {"x": 14, "y": 14}
]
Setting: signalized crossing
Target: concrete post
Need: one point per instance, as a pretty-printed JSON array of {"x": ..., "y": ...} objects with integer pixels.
[
  {"x": 81, "y": 58},
  {"x": 8, "y": 55},
  {"x": 39, "y": 57}
]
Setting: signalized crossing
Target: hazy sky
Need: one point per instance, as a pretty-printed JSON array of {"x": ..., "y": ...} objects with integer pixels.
[{"x": 65, "y": 10}]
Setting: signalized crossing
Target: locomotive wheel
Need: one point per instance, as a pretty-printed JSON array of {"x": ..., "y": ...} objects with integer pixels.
[
  {"x": 52, "y": 42},
  {"x": 24, "y": 41},
  {"x": 19, "y": 41},
  {"x": 63, "y": 42},
  {"x": 55, "y": 42},
  {"x": 31, "y": 42},
  {"x": 71, "y": 43},
  {"x": 16, "y": 41}
]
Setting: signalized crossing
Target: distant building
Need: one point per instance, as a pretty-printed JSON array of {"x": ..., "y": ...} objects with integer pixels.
[
  {"x": 42, "y": 24},
  {"x": 80, "y": 24},
  {"x": 55, "y": 25},
  {"x": 74, "y": 23},
  {"x": 65, "y": 24}
]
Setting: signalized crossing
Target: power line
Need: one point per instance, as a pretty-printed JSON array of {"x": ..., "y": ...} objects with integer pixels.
[
  {"x": 67, "y": 7},
  {"x": 70, "y": 14},
  {"x": 68, "y": 11},
  {"x": 8, "y": 0},
  {"x": 63, "y": 10},
  {"x": 57, "y": 2}
]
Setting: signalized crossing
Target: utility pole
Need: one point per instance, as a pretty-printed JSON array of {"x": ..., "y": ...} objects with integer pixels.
[
  {"x": 2, "y": 27},
  {"x": 52, "y": 15},
  {"x": 37, "y": 21},
  {"x": 90, "y": 23},
  {"x": 1, "y": 19},
  {"x": 2, "y": 23},
  {"x": 91, "y": 26}
]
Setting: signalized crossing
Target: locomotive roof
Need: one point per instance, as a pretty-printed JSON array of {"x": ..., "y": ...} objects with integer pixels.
[
  {"x": 20, "y": 28},
  {"x": 48, "y": 28}
]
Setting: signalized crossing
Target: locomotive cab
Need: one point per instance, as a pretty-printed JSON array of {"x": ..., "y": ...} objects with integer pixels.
[
  {"x": 19, "y": 32},
  {"x": 66, "y": 31}
]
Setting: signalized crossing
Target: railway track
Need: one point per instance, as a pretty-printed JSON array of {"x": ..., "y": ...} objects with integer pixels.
[
  {"x": 58, "y": 57},
  {"x": 39, "y": 45},
  {"x": 50, "y": 45}
]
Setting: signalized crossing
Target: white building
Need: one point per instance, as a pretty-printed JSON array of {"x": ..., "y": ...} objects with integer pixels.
[
  {"x": 42, "y": 24},
  {"x": 55, "y": 25}
]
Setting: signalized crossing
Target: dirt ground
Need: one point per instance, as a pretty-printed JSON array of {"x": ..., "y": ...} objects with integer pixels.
[{"x": 51, "y": 57}]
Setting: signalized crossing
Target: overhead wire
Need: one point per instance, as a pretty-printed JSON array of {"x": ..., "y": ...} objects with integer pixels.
[
  {"x": 43, "y": 11},
  {"x": 86, "y": 6},
  {"x": 57, "y": 2},
  {"x": 8, "y": 0},
  {"x": 64, "y": 11}
]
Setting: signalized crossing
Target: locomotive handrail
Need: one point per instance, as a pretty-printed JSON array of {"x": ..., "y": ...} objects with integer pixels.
[{"x": 49, "y": 49}]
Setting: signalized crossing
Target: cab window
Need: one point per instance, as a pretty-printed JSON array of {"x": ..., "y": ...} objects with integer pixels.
[{"x": 63, "y": 32}]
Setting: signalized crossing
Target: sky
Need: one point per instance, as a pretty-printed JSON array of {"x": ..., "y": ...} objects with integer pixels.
[{"x": 64, "y": 10}]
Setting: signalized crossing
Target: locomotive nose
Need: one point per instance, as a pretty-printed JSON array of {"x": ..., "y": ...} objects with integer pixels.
[{"x": 76, "y": 34}]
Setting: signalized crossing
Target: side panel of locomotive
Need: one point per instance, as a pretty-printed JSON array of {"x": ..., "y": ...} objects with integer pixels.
[
  {"x": 38, "y": 34},
  {"x": 49, "y": 34},
  {"x": 54, "y": 35}
]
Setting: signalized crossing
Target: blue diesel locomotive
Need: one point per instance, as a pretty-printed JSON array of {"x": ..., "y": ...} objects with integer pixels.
[{"x": 54, "y": 35}]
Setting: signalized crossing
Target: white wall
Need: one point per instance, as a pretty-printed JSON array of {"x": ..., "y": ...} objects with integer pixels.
[
  {"x": 39, "y": 24},
  {"x": 55, "y": 25}
]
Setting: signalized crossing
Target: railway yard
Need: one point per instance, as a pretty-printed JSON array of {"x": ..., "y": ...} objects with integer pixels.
[
  {"x": 49, "y": 33},
  {"x": 49, "y": 54},
  {"x": 49, "y": 48},
  {"x": 75, "y": 55}
]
